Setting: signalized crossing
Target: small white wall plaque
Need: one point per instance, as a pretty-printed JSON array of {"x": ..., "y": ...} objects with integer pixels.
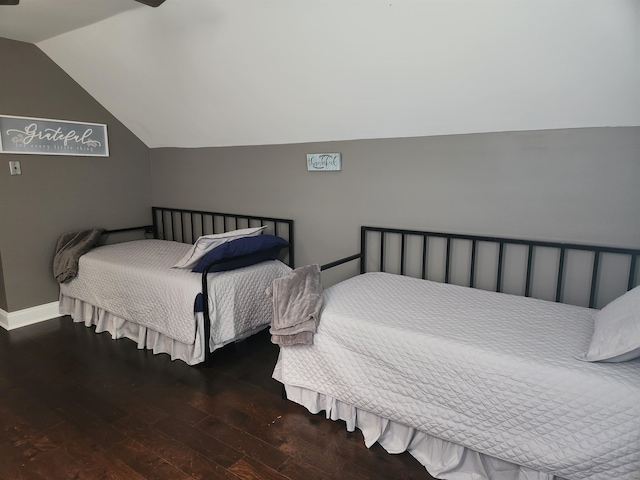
[{"x": 324, "y": 162}]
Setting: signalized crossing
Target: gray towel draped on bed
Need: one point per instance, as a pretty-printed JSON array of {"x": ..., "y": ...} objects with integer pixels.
[
  {"x": 297, "y": 304},
  {"x": 69, "y": 248}
]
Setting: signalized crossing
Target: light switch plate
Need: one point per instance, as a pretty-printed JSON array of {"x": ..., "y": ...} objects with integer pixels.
[{"x": 14, "y": 168}]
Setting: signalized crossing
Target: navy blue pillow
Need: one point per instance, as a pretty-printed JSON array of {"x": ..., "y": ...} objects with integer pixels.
[{"x": 242, "y": 252}]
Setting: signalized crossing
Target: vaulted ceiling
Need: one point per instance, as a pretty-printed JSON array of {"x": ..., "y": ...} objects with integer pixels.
[{"x": 195, "y": 73}]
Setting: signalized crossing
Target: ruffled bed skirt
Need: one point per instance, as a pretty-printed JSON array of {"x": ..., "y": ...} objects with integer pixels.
[
  {"x": 144, "y": 337},
  {"x": 442, "y": 459}
]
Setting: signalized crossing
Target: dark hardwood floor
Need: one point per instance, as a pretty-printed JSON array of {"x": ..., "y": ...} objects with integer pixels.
[{"x": 76, "y": 405}]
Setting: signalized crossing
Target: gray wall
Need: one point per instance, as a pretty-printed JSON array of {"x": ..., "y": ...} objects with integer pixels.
[
  {"x": 575, "y": 185},
  {"x": 55, "y": 194},
  {"x": 578, "y": 185}
]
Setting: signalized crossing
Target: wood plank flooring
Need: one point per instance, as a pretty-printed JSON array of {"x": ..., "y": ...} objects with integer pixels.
[{"x": 77, "y": 405}]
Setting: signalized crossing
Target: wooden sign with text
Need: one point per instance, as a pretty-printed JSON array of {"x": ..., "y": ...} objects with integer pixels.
[{"x": 42, "y": 136}]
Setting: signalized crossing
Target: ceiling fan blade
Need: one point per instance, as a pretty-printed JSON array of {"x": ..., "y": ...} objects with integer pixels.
[
  {"x": 9, "y": 2},
  {"x": 151, "y": 3}
]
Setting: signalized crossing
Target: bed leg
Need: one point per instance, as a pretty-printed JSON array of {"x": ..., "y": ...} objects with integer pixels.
[
  {"x": 208, "y": 361},
  {"x": 283, "y": 392},
  {"x": 206, "y": 318}
]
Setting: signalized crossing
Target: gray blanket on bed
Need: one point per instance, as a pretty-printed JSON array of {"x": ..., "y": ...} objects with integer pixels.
[
  {"x": 297, "y": 304},
  {"x": 69, "y": 248}
]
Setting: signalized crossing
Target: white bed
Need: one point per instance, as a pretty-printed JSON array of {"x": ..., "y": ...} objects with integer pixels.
[
  {"x": 130, "y": 290},
  {"x": 474, "y": 384},
  {"x": 151, "y": 291}
]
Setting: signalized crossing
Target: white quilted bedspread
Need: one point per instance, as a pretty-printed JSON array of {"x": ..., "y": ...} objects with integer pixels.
[
  {"x": 135, "y": 281},
  {"x": 493, "y": 372}
]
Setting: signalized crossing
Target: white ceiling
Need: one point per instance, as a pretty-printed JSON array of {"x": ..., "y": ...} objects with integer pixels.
[{"x": 197, "y": 73}]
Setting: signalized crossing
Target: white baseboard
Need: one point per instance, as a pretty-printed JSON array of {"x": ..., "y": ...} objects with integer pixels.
[{"x": 28, "y": 316}]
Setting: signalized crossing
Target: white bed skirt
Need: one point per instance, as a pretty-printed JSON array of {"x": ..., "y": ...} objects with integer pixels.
[
  {"x": 144, "y": 337},
  {"x": 442, "y": 459},
  {"x": 120, "y": 328}
]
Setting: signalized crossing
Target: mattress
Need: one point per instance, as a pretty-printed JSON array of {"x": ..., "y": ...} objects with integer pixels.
[
  {"x": 492, "y": 372},
  {"x": 134, "y": 281}
]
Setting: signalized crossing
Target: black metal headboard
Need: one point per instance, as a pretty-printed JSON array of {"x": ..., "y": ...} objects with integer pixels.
[
  {"x": 187, "y": 225},
  {"x": 399, "y": 250}
]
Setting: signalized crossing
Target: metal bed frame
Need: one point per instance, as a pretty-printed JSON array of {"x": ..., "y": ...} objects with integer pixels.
[
  {"x": 383, "y": 235},
  {"x": 185, "y": 226}
]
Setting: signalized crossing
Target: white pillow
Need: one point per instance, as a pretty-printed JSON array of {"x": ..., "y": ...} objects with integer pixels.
[
  {"x": 616, "y": 332},
  {"x": 206, "y": 243}
]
